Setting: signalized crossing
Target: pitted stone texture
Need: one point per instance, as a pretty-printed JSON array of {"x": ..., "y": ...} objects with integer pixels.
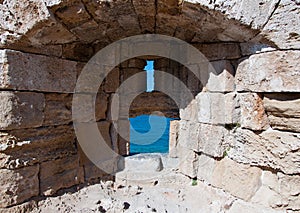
[
  {"x": 21, "y": 110},
  {"x": 217, "y": 108},
  {"x": 173, "y": 138},
  {"x": 190, "y": 113},
  {"x": 283, "y": 111},
  {"x": 188, "y": 135},
  {"x": 143, "y": 163},
  {"x": 24, "y": 71},
  {"x": 58, "y": 174},
  {"x": 223, "y": 78},
  {"x": 254, "y": 13},
  {"x": 188, "y": 161},
  {"x": 270, "y": 72},
  {"x": 253, "y": 114},
  {"x": 251, "y": 208},
  {"x": 21, "y": 148},
  {"x": 274, "y": 149},
  {"x": 228, "y": 175},
  {"x": 283, "y": 28},
  {"x": 278, "y": 190},
  {"x": 18, "y": 185}
]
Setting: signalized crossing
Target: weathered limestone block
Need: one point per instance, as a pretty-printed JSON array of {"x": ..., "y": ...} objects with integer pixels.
[
  {"x": 143, "y": 163},
  {"x": 188, "y": 161},
  {"x": 254, "y": 13},
  {"x": 212, "y": 139},
  {"x": 283, "y": 27},
  {"x": 247, "y": 207},
  {"x": 57, "y": 109},
  {"x": 278, "y": 190},
  {"x": 270, "y": 72},
  {"x": 188, "y": 135},
  {"x": 206, "y": 166},
  {"x": 190, "y": 113},
  {"x": 18, "y": 185},
  {"x": 21, "y": 110},
  {"x": 29, "y": 206},
  {"x": 59, "y": 174},
  {"x": 238, "y": 179},
  {"x": 217, "y": 108},
  {"x": 20, "y": 148},
  {"x": 219, "y": 51},
  {"x": 223, "y": 78},
  {"x": 283, "y": 111},
  {"x": 23, "y": 71},
  {"x": 173, "y": 138},
  {"x": 253, "y": 114},
  {"x": 274, "y": 149}
]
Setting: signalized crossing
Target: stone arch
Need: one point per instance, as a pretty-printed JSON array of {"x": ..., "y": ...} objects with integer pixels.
[{"x": 45, "y": 44}]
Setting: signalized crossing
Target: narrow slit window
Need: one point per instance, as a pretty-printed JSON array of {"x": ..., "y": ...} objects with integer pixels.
[{"x": 149, "y": 68}]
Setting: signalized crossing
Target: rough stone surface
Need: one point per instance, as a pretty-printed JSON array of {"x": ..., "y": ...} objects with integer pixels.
[
  {"x": 58, "y": 174},
  {"x": 21, "y": 110},
  {"x": 144, "y": 163},
  {"x": 270, "y": 72},
  {"x": 283, "y": 111},
  {"x": 173, "y": 138},
  {"x": 229, "y": 174},
  {"x": 253, "y": 114},
  {"x": 19, "y": 148},
  {"x": 217, "y": 108},
  {"x": 223, "y": 78},
  {"x": 188, "y": 161},
  {"x": 25, "y": 71},
  {"x": 219, "y": 51},
  {"x": 18, "y": 185},
  {"x": 273, "y": 149}
]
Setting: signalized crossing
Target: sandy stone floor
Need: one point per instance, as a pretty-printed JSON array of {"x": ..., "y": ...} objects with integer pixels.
[{"x": 165, "y": 196}]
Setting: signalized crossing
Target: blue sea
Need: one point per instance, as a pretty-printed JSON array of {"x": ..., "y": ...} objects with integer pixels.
[{"x": 144, "y": 139}]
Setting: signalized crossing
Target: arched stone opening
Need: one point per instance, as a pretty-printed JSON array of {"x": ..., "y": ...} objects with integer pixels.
[{"x": 45, "y": 44}]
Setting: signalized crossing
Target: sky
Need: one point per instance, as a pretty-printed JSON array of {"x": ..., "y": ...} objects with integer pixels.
[{"x": 150, "y": 75}]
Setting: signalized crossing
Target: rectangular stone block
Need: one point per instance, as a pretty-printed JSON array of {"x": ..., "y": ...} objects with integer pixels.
[
  {"x": 276, "y": 71},
  {"x": 188, "y": 135},
  {"x": 272, "y": 148},
  {"x": 212, "y": 139},
  {"x": 112, "y": 81},
  {"x": 253, "y": 115},
  {"x": 283, "y": 111},
  {"x": 238, "y": 179},
  {"x": 24, "y": 71},
  {"x": 222, "y": 77},
  {"x": 173, "y": 138},
  {"x": 206, "y": 167},
  {"x": 57, "y": 109},
  {"x": 188, "y": 161},
  {"x": 21, "y": 110},
  {"x": 217, "y": 108},
  {"x": 190, "y": 113},
  {"x": 18, "y": 185},
  {"x": 59, "y": 174},
  {"x": 19, "y": 148}
]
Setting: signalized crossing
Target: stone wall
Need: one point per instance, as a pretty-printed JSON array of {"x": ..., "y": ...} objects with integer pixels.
[{"x": 239, "y": 133}]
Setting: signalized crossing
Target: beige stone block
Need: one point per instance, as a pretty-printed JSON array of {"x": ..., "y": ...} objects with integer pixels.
[
  {"x": 238, "y": 179},
  {"x": 173, "y": 138},
  {"x": 21, "y": 110},
  {"x": 188, "y": 161},
  {"x": 253, "y": 115},
  {"x": 190, "y": 113},
  {"x": 283, "y": 111},
  {"x": 18, "y": 185},
  {"x": 273, "y": 149},
  {"x": 206, "y": 167},
  {"x": 217, "y": 108},
  {"x": 222, "y": 79},
  {"x": 24, "y": 71},
  {"x": 21, "y": 148},
  {"x": 188, "y": 135},
  {"x": 59, "y": 174},
  {"x": 212, "y": 139},
  {"x": 270, "y": 72}
]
